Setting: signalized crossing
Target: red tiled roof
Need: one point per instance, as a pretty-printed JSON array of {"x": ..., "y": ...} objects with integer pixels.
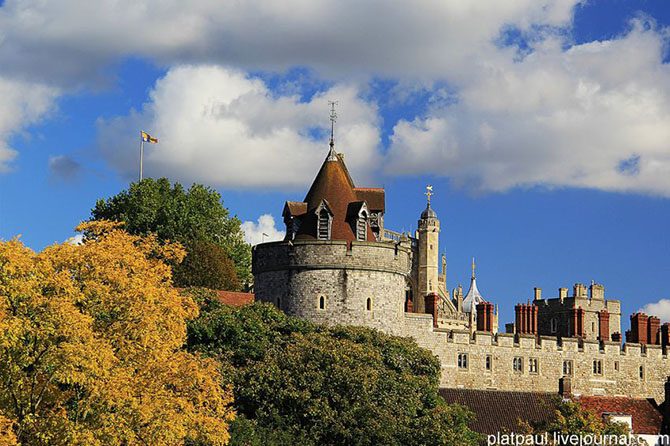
[
  {"x": 647, "y": 418},
  {"x": 373, "y": 196},
  {"x": 296, "y": 208},
  {"x": 500, "y": 411},
  {"x": 235, "y": 298},
  {"x": 334, "y": 185}
]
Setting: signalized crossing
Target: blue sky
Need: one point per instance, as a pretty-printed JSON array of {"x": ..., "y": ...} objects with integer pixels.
[{"x": 544, "y": 126}]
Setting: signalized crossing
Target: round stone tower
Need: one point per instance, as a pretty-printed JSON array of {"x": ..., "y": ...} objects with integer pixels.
[{"x": 335, "y": 265}]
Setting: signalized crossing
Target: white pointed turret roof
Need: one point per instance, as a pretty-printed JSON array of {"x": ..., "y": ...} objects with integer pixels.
[{"x": 473, "y": 297}]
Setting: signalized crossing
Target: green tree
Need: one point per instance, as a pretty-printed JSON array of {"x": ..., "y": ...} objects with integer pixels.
[
  {"x": 571, "y": 418},
  {"x": 207, "y": 265},
  {"x": 299, "y": 383},
  {"x": 187, "y": 216}
]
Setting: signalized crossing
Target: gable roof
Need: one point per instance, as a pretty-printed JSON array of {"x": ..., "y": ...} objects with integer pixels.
[
  {"x": 500, "y": 411},
  {"x": 647, "y": 417},
  {"x": 294, "y": 208}
]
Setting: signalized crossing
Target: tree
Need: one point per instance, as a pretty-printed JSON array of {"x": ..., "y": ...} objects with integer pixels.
[
  {"x": 571, "y": 418},
  {"x": 174, "y": 214},
  {"x": 91, "y": 341},
  {"x": 299, "y": 383},
  {"x": 207, "y": 265}
]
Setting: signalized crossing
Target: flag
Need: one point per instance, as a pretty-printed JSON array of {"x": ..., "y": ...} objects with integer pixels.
[{"x": 148, "y": 138}]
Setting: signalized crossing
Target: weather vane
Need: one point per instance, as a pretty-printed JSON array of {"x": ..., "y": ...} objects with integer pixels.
[
  {"x": 333, "y": 118},
  {"x": 429, "y": 192}
]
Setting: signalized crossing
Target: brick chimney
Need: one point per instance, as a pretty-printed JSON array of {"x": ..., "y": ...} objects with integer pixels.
[
  {"x": 638, "y": 328},
  {"x": 431, "y": 306},
  {"x": 577, "y": 321},
  {"x": 526, "y": 318},
  {"x": 485, "y": 317},
  {"x": 665, "y": 334},
  {"x": 653, "y": 330},
  {"x": 604, "y": 325}
]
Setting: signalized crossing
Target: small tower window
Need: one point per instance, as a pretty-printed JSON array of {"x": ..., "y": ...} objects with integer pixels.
[
  {"x": 279, "y": 303},
  {"x": 368, "y": 304},
  {"x": 322, "y": 302},
  {"x": 488, "y": 362},
  {"x": 517, "y": 364},
  {"x": 463, "y": 361},
  {"x": 554, "y": 325},
  {"x": 532, "y": 365},
  {"x": 641, "y": 372},
  {"x": 567, "y": 368},
  {"x": 324, "y": 225},
  {"x": 616, "y": 366},
  {"x": 362, "y": 226}
]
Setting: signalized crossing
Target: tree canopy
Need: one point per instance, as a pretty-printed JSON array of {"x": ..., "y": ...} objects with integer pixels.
[
  {"x": 191, "y": 217},
  {"x": 299, "y": 383},
  {"x": 91, "y": 347}
]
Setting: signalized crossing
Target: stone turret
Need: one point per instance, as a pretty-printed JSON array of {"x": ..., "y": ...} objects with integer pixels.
[{"x": 429, "y": 233}]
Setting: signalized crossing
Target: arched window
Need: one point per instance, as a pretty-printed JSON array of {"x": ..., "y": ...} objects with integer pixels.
[
  {"x": 554, "y": 325},
  {"x": 323, "y": 229},
  {"x": 322, "y": 303},
  {"x": 368, "y": 304}
]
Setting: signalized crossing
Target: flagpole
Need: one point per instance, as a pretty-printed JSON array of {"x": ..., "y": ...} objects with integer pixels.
[{"x": 141, "y": 156}]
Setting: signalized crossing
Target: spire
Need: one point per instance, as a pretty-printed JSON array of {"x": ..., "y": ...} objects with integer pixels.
[
  {"x": 428, "y": 193},
  {"x": 473, "y": 297},
  {"x": 428, "y": 212},
  {"x": 332, "y": 155},
  {"x": 473, "y": 268}
]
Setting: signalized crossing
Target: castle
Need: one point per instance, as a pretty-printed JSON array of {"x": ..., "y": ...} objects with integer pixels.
[{"x": 338, "y": 264}]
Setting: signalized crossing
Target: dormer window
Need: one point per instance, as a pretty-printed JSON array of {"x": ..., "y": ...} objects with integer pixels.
[
  {"x": 323, "y": 222},
  {"x": 362, "y": 226}
]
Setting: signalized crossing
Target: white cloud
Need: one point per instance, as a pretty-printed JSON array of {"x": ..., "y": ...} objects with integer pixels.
[
  {"x": 424, "y": 38},
  {"x": 253, "y": 232},
  {"x": 660, "y": 309},
  {"x": 577, "y": 117},
  {"x": 22, "y": 104},
  {"x": 223, "y": 128},
  {"x": 76, "y": 240}
]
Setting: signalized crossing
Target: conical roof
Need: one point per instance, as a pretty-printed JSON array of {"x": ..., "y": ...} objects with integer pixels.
[
  {"x": 473, "y": 297},
  {"x": 334, "y": 185}
]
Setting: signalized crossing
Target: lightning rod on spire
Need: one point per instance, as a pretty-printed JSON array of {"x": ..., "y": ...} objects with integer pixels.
[
  {"x": 333, "y": 118},
  {"x": 429, "y": 193}
]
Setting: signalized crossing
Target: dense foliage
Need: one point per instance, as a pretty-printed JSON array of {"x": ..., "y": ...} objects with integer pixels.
[
  {"x": 571, "y": 418},
  {"x": 91, "y": 347},
  {"x": 207, "y": 265},
  {"x": 191, "y": 217},
  {"x": 298, "y": 383}
]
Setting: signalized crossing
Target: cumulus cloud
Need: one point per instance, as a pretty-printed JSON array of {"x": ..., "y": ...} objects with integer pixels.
[
  {"x": 75, "y": 240},
  {"x": 221, "y": 127},
  {"x": 253, "y": 232},
  {"x": 23, "y": 104},
  {"x": 577, "y": 117},
  {"x": 64, "y": 167},
  {"x": 425, "y": 38},
  {"x": 660, "y": 309}
]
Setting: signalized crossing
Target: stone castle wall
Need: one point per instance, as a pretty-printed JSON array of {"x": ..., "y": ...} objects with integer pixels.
[
  {"x": 295, "y": 276},
  {"x": 619, "y": 365}
]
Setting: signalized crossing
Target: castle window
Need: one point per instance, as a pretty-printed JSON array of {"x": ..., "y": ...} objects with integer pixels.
[
  {"x": 553, "y": 325},
  {"x": 641, "y": 372},
  {"x": 532, "y": 365},
  {"x": 567, "y": 368},
  {"x": 323, "y": 224},
  {"x": 463, "y": 361},
  {"x": 322, "y": 302},
  {"x": 597, "y": 367},
  {"x": 368, "y": 304},
  {"x": 517, "y": 364},
  {"x": 616, "y": 366},
  {"x": 489, "y": 362},
  {"x": 362, "y": 226},
  {"x": 593, "y": 327}
]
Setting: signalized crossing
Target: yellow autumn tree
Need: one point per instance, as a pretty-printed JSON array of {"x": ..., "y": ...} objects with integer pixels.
[{"x": 91, "y": 347}]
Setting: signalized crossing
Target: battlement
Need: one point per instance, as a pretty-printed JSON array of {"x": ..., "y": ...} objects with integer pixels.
[{"x": 332, "y": 254}]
